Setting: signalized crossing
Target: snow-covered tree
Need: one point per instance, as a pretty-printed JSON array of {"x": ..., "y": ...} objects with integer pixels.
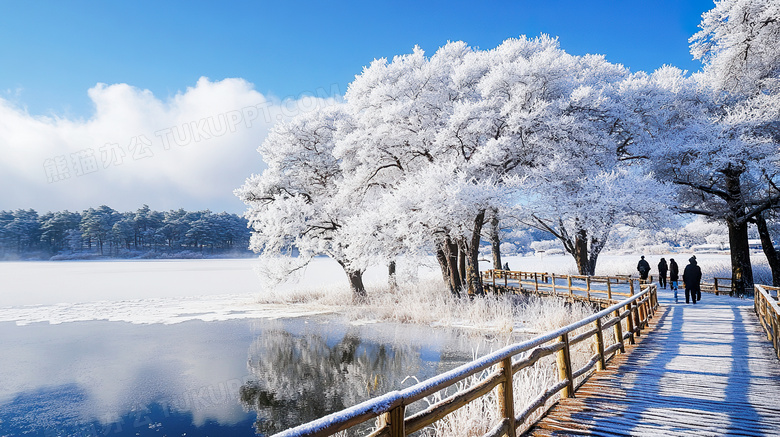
[
  {"x": 54, "y": 228},
  {"x": 299, "y": 205},
  {"x": 586, "y": 122},
  {"x": 97, "y": 224},
  {"x": 724, "y": 134}
]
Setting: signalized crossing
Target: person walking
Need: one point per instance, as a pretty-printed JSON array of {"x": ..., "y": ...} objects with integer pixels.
[
  {"x": 692, "y": 280},
  {"x": 644, "y": 268},
  {"x": 662, "y": 269},
  {"x": 674, "y": 272}
]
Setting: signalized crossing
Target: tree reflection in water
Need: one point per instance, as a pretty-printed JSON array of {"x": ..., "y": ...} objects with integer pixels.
[{"x": 296, "y": 379}]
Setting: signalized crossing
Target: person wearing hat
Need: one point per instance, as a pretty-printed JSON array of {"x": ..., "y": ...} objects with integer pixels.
[
  {"x": 644, "y": 268},
  {"x": 692, "y": 280}
]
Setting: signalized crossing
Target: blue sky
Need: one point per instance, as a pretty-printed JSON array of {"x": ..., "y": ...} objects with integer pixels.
[{"x": 54, "y": 54}]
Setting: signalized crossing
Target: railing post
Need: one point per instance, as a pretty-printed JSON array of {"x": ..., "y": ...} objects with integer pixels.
[
  {"x": 619, "y": 331},
  {"x": 506, "y": 277},
  {"x": 506, "y": 402},
  {"x": 587, "y": 286},
  {"x": 776, "y": 329},
  {"x": 630, "y": 319},
  {"x": 553, "y": 284},
  {"x": 601, "y": 364},
  {"x": 654, "y": 293},
  {"x": 570, "y": 292},
  {"x": 775, "y": 339},
  {"x": 394, "y": 421},
  {"x": 536, "y": 283},
  {"x": 631, "y": 285},
  {"x": 757, "y": 294},
  {"x": 766, "y": 313},
  {"x": 716, "y": 285},
  {"x": 564, "y": 367},
  {"x": 637, "y": 319},
  {"x": 609, "y": 289}
]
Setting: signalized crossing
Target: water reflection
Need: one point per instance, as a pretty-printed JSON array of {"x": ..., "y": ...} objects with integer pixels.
[
  {"x": 297, "y": 379},
  {"x": 241, "y": 377}
]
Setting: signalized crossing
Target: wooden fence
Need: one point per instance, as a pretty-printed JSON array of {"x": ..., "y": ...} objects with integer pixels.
[
  {"x": 768, "y": 313},
  {"x": 717, "y": 287},
  {"x": 595, "y": 288},
  {"x": 391, "y": 408},
  {"x": 545, "y": 283}
]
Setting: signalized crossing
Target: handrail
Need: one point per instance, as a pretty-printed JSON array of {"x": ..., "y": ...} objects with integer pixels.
[
  {"x": 540, "y": 282},
  {"x": 545, "y": 283},
  {"x": 390, "y": 408},
  {"x": 768, "y": 312}
]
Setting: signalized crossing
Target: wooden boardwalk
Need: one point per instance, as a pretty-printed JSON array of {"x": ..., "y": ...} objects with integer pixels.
[{"x": 704, "y": 370}]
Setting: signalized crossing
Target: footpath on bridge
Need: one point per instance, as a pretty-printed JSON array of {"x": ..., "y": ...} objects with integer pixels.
[{"x": 701, "y": 370}]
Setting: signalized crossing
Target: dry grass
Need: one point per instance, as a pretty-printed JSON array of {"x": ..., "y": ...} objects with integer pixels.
[{"x": 430, "y": 303}]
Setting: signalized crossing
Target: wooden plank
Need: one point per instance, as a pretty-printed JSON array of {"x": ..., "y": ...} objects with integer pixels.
[
  {"x": 704, "y": 370},
  {"x": 503, "y": 428},
  {"x": 506, "y": 402},
  {"x": 564, "y": 367},
  {"x": 536, "y": 354},
  {"x": 440, "y": 409}
]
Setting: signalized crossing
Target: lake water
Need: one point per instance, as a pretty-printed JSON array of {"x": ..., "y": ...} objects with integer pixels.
[{"x": 240, "y": 377}]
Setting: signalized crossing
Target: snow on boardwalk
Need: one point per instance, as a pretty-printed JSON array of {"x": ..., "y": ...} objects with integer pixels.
[{"x": 703, "y": 370}]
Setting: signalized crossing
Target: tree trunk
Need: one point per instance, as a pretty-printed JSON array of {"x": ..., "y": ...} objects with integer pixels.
[
  {"x": 391, "y": 280},
  {"x": 596, "y": 245},
  {"x": 495, "y": 242},
  {"x": 472, "y": 268},
  {"x": 581, "y": 252},
  {"x": 456, "y": 279},
  {"x": 444, "y": 264},
  {"x": 462, "y": 257},
  {"x": 741, "y": 269},
  {"x": 355, "y": 282},
  {"x": 769, "y": 249}
]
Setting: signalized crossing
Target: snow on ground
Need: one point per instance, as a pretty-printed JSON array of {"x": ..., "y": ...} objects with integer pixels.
[
  {"x": 153, "y": 291},
  {"x": 172, "y": 291}
]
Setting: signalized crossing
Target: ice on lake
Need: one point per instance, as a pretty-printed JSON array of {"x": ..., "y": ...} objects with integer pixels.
[{"x": 168, "y": 348}]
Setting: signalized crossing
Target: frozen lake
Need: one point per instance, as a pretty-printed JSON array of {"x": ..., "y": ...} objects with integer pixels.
[
  {"x": 183, "y": 348},
  {"x": 235, "y": 377}
]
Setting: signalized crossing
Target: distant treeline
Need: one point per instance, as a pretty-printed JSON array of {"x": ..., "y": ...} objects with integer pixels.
[{"x": 103, "y": 231}]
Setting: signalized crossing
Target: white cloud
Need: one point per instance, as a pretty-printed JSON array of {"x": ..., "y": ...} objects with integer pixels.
[{"x": 190, "y": 150}]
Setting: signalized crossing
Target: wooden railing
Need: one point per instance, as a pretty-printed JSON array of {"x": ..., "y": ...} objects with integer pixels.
[
  {"x": 544, "y": 282},
  {"x": 768, "y": 313},
  {"x": 391, "y": 408},
  {"x": 593, "y": 287},
  {"x": 716, "y": 286}
]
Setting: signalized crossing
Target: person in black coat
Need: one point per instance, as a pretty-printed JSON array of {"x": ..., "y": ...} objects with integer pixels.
[
  {"x": 644, "y": 268},
  {"x": 662, "y": 269},
  {"x": 674, "y": 272},
  {"x": 692, "y": 280}
]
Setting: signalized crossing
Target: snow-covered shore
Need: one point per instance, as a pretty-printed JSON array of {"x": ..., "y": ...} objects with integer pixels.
[{"x": 174, "y": 291}]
